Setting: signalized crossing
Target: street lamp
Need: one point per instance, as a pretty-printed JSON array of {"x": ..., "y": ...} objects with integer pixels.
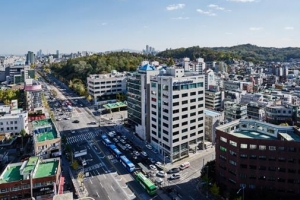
[{"x": 241, "y": 188}]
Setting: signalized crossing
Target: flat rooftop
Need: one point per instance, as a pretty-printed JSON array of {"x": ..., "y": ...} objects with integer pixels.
[
  {"x": 211, "y": 113},
  {"x": 11, "y": 174},
  {"x": 115, "y": 105},
  {"x": 251, "y": 134},
  {"x": 45, "y": 169},
  {"x": 31, "y": 164},
  {"x": 44, "y": 130}
]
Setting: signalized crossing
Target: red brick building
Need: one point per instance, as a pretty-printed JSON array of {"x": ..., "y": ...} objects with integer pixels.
[{"x": 258, "y": 155}]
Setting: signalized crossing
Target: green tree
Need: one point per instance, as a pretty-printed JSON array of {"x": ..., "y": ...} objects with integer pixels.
[
  {"x": 215, "y": 189},
  {"x": 22, "y": 134}
]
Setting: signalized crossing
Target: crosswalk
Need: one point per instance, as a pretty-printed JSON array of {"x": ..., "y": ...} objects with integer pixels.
[
  {"x": 93, "y": 167},
  {"x": 81, "y": 137}
]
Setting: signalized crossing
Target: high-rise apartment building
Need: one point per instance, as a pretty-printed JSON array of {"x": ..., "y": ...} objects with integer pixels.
[
  {"x": 138, "y": 100},
  {"x": 176, "y": 112},
  {"x": 30, "y": 58}
]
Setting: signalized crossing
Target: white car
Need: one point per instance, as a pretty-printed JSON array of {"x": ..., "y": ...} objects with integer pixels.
[
  {"x": 128, "y": 146},
  {"x": 148, "y": 146},
  {"x": 123, "y": 141},
  {"x": 158, "y": 164},
  {"x": 144, "y": 153},
  {"x": 153, "y": 167},
  {"x": 161, "y": 174},
  {"x": 136, "y": 153}
]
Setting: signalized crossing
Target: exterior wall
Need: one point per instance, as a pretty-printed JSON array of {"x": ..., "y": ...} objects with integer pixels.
[
  {"x": 106, "y": 84},
  {"x": 281, "y": 114},
  {"x": 14, "y": 123},
  {"x": 46, "y": 147},
  {"x": 272, "y": 165},
  {"x": 211, "y": 122},
  {"x": 177, "y": 114},
  {"x": 214, "y": 100},
  {"x": 234, "y": 111}
]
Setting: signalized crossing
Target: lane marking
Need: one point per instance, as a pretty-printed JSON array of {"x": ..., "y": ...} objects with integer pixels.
[
  {"x": 101, "y": 184},
  {"x": 108, "y": 197},
  {"x": 112, "y": 188}
]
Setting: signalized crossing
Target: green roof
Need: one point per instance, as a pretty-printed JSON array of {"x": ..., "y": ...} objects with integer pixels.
[
  {"x": 30, "y": 164},
  {"x": 115, "y": 105},
  {"x": 44, "y": 130},
  {"x": 42, "y": 122},
  {"x": 11, "y": 174},
  {"x": 45, "y": 169}
]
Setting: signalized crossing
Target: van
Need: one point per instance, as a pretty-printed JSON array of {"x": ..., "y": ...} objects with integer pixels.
[{"x": 184, "y": 165}]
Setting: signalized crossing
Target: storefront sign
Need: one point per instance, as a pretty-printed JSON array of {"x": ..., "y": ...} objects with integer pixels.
[{"x": 182, "y": 82}]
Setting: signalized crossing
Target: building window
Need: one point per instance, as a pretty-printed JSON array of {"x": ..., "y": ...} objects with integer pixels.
[
  {"x": 253, "y": 146},
  {"x": 175, "y": 133},
  {"x": 262, "y": 147},
  {"x": 232, "y": 153},
  {"x": 184, "y": 109},
  {"x": 184, "y": 95},
  {"x": 184, "y": 123},
  {"x": 153, "y": 126},
  {"x": 200, "y": 106},
  {"x": 243, "y": 156},
  {"x": 176, "y": 140},
  {"x": 272, "y": 148},
  {"x": 232, "y": 143},
  {"x": 193, "y": 121},
  {"x": 166, "y": 125},
  {"x": 192, "y": 93},
  {"x": 192, "y": 107},
  {"x": 175, "y": 111},
  {"x": 176, "y": 104},
  {"x": 153, "y": 113},
  {"x": 153, "y": 132},
  {"x": 193, "y": 134},
  {"x": 184, "y": 137},
  {"x": 223, "y": 139},
  {"x": 153, "y": 106},
  {"x": 176, "y": 96},
  {"x": 184, "y": 102},
  {"x": 193, "y": 114},
  {"x": 184, "y": 130},
  {"x": 153, "y": 119},
  {"x": 223, "y": 149},
  {"x": 192, "y": 100},
  {"x": 184, "y": 116},
  {"x": 244, "y": 146},
  {"x": 165, "y": 118},
  {"x": 175, "y": 125},
  {"x": 175, "y": 118},
  {"x": 232, "y": 162}
]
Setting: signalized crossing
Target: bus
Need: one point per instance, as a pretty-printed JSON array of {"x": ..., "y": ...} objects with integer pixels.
[
  {"x": 105, "y": 140},
  {"x": 115, "y": 151},
  {"x": 147, "y": 184},
  {"x": 127, "y": 163}
]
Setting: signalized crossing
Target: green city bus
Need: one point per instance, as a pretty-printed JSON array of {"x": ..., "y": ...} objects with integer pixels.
[{"x": 146, "y": 183}]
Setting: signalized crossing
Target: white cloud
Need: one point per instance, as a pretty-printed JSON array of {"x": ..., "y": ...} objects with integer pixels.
[
  {"x": 255, "y": 28},
  {"x": 175, "y": 6},
  {"x": 208, "y": 13},
  {"x": 215, "y": 7},
  {"x": 241, "y": 1},
  {"x": 180, "y": 18},
  {"x": 289, "y": 28}
]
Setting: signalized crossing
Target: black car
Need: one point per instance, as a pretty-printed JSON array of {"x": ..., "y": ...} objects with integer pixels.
[
  {"x": 76, "y": 121},
  {"x": 173, "y": 170}
]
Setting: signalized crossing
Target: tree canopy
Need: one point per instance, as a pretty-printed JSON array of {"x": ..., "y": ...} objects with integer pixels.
[{"x": 245, "y": 52}]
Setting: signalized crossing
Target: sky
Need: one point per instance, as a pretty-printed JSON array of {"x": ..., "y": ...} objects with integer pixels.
[{"x": 105, "y": 25}]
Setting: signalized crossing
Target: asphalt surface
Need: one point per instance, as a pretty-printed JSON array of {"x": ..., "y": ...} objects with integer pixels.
[{"x": 107, "y": 178}]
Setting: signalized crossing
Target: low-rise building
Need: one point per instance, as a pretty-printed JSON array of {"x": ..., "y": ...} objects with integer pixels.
[
  {"x": 103, "y": 86},
  {"x": 256, "y": 111},
  {"x": 46, "y": 139},
  {"x": 212, "y": 120},
  {"x": 214, "y": 98},
  {"x": 233, "y": 111},
  {"x": 277, "y": 114},
  {"x": 13, "y": 120},
  {"x": 34, "y": 90},
  {"x": 31, "y": 178},
  {"x": 252, "y": 155}
]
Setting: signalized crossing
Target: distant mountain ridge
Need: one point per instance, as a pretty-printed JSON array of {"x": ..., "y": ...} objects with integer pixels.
[{"x": 246, "y": 52}]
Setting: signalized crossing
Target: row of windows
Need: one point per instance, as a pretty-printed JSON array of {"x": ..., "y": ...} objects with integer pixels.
[
  {"x": 260, "y": 147},
  {"x": 176, "y": 96},
  {"x": 185, "y": 109},
  {"x": 9, "y": 128},
  {"x": 106, "y": 82},
  {"x": 10, "y": 122}
]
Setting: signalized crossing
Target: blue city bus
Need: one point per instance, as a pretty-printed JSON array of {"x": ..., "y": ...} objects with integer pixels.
[
  {"x": 127, "y": 163},
  {"x": 105, "y": 140},
  {"x": 115, "y": 151}
]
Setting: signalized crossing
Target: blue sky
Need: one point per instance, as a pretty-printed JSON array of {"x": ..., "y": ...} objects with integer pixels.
[{"x": 102, "y": 25}]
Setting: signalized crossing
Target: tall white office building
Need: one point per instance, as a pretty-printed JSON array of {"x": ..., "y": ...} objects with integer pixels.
[{"x": 177, "y": 112}]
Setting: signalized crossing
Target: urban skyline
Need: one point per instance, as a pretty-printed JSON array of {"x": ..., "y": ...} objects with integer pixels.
[{"x": 117, "y": 24}]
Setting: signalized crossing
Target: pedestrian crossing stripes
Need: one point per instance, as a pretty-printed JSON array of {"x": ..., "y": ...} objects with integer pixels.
[
  {"x": 81, "y": 137},
  {"x": 93, "y": 167}
]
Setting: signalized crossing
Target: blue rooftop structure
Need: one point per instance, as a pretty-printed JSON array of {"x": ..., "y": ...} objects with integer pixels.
[
  {"x": 211, "y": 113},
  {"x": 147, "y": 67}
]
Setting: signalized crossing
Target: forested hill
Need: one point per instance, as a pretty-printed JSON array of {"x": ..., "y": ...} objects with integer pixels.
[{"x": 246, "y": 52}]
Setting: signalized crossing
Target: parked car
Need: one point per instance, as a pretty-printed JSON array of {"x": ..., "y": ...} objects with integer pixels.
[
  {"x": 175, "y": 176},
  {"x": 159, "y": 164},
  {"x": 76, "y": 121},
  {"x": 123, "y": 137},
  {"x": 73, "y": 131},
  {"x": 148, "y": 146},
  {"x": 93, "y": 122},
  {"x": 173, "y": 170},
  {"x": 161, "y": 174},
  {"x": 153, "y": 167}
]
